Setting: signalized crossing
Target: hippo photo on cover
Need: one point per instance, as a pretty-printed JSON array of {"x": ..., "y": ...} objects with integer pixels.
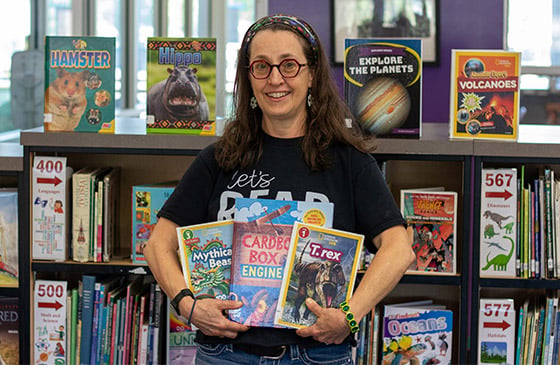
[{"x": 181, "y": 85}]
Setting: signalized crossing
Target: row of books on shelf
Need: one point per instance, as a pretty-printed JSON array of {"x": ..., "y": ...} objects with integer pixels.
[
  {"x": 519, "y": 223},
  {"x": 76, "y": 213}
]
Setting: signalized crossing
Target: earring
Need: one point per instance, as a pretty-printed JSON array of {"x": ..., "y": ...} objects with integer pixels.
[
  {"x": 309, "y": 100},
  {"x": 253, "y": 102}
]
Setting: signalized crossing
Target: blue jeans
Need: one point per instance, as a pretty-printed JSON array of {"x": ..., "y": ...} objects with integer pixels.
[{"x": 226, "y": 354}]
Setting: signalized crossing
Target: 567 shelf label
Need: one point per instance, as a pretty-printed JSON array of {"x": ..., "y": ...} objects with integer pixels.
[
  {"x": 498, "y": 222},
  {"x": 49, "y": 340}
]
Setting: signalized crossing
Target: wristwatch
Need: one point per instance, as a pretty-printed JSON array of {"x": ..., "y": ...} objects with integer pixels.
[{"x": 183, "y": 293}]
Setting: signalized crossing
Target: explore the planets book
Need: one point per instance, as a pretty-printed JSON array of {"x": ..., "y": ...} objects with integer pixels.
[
  {"x": 205, "y": 251},
  {"x": 417, "y": 333},
  {"x": 262, "y": 232},
  {"x": 181, "y": 85},
  {"x": 485, "y": 94},
  {"x": 322, "y": 264},
  {"x": 79, "y": 84},
  {"x": 433, "y": 218},
  {"x": 383, "y": 85}
]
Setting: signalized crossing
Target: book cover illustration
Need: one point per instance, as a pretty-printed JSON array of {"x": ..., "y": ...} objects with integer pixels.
[
  {"x": 322, "y": 264},
  {"x": 9, "y": 331},
  {"x": 181, "y": 348},
  {"x": 496, "y": 331},
  {"x": 383, "y": 85},
  {"x": 261, "y": 238},
  {"x": 205, "y": 251},
  {"x": 79, "y": 84},
  {"x": 181, "y": 85},
  {"x": 485, "y": 94},
  {"x": 433, "y": 218},
  {"x": 8, "y": 237},
  {"x": 51, "y": 214},
  {"x": 498, "y": 222},
  {"x": 147, "y": 200},
  {"x": 417, "y": 335}
]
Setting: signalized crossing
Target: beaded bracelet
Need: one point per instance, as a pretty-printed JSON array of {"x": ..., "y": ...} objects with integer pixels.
[
  {"x": 192, "y": 311},
  {"x": 352, "y": 323}
]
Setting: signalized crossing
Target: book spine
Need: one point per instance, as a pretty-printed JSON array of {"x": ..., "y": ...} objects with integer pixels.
[
  {"x": 95, "y": 323},
  {"x": 87, "y": 318},
  {"x": 80, "y": 216},
  {"x": 157, "y": 323},
  {"x": 73, "y": 328}
]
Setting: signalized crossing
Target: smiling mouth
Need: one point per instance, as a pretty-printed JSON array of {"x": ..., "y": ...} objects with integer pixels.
[{"x": 277, "y": 95}]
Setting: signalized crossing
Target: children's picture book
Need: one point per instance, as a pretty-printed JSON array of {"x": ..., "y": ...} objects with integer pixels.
[
  {"x": 498, "y": 222},
  {"x": 322, "y": 264},
  {"x": 205, "y": 251},
  {"x": 433, "y": 218},
  {"x": 181, "y": 84},
  {"x": 50, "y": 331},
  {"x": 485, "y": 94},
  {"x": 79, "y": 84},
  {"x": 147, "y": 200},
  {"x": 181, "y": 348},
  {"x": 262, "y": 232},
  {"x": 417, "y": 334},
  {"x": 9, "y": 331},
  {"x": 9, "y": 237},
  {"x": 496, "y": 331},
  {"x": 50, "y": 198},
  {"x": 383, "y": 85}
]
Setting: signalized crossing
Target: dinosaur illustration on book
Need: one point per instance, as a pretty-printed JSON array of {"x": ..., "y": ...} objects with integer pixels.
[
  {"x": 499, "y": 262},
  {"x": 498, "y": 219},
  {"x": 489, "y": 231}
]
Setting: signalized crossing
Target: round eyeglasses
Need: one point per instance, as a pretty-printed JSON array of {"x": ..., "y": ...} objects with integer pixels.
[{"x": 288, "y": 68}]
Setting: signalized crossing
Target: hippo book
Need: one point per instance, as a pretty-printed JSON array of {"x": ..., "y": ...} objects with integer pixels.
[
  {"x": 205, "y": 252},
  {"x": 485, "y": 94},
  {"x": 181, "y": 85},
  {"x": 433, "y": 218},
  {"x": 322, "y": 264},
  {"x": 79, "y": 84},
  {"x": 383, "y": 85},
  {"x": 262, "y": 232},
  {"x": 417, "y": 333}
]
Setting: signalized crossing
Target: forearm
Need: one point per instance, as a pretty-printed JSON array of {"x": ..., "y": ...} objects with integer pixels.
[{"x": 391, "y": 261}]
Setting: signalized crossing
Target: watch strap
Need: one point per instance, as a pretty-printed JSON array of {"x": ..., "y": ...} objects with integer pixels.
[{"x": 183, "y": 293}]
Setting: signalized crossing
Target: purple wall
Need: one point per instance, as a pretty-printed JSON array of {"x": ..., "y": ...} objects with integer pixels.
[{"x": 474, "y": 24}]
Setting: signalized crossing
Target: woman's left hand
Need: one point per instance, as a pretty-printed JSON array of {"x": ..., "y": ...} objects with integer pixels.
[{"x": 331, "y": 326}]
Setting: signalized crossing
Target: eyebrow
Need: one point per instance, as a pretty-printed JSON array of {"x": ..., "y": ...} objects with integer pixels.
[{"x": 282, "y": 57}]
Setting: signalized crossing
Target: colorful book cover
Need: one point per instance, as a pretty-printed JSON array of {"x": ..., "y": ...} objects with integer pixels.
[
  {"x": 181, "y": 85},
  {"x": 205, "y": 251},
  {"x": 485, "y": 94},
  {"x": 433, "y": 218},
  {"x": 181, "y": 348},
  {"x": 50, "y": 311},
  {"x": 496, "y": 331},
  {"x": 498, "y": 222},
  {"x": 383, "y": 85},
  {"x": 147, "y": 200},
  {"x": 261, "y": 237},
  {"x": 80, "y": 84},
  {"x": 322, "y": 264},
  {"x": 9, "y": 237},
  {"x": 417, "y": 335},
  {"x": 51, "y": 202},
  {"x": 9, "y": 331}
]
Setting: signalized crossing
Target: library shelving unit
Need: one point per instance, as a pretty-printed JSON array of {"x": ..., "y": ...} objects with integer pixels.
[{"x": 430, "y": 161}]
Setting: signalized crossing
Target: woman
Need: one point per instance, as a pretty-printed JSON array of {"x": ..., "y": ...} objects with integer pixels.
[{"x": 291, "y": 138}]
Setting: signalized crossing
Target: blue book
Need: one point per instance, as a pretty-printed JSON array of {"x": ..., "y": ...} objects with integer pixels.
[
  {"x": 88, "y": 292},
  {"x": 95, "y": 323}
]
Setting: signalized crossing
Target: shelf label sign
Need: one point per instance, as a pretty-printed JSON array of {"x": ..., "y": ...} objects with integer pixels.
[
  {"x": 496, "y": 331},
  {"x": 50, "y": 332}
]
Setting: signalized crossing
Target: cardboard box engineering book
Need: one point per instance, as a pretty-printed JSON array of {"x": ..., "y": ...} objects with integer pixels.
[
  {"x": 181, "y": 84},
  {"x": 79, "y": 84}
]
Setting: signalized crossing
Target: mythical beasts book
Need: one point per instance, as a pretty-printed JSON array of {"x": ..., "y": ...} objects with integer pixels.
[
  {"x": 485, "y": 94},
  {"x": 205, "y": 251},
  {"x": 79, "y": 84},
  {"x": 498, "y": 222},
  {"x": 433, "y": 218},
  {"x": 417, "y": 334},
  {"x": 383, "y": 85},
  {"x": 181, "y": 84},
  {"x": 9, "y": 331},
  {"x": 262, "y": 231},
  {"x": 322, "y": 264}
]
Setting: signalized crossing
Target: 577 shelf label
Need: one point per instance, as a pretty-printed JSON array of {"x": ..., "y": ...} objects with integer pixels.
[
  {"x": 50, "y": 334},
  {"x": 496, "y": 331},
  {"x": 498, "y": 222}
]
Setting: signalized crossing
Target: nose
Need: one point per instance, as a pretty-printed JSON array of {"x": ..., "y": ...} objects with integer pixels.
[{"x": 275, "y": 75}]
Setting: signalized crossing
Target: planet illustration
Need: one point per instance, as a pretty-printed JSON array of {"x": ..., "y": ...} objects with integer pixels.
[{"x": 382, "y": 104}]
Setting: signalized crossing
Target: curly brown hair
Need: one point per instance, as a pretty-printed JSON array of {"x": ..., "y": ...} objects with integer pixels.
[{"x": 327, "y": 122}]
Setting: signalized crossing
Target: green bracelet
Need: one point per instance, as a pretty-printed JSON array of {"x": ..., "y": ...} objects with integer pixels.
[{"x": 349, "y": 317}]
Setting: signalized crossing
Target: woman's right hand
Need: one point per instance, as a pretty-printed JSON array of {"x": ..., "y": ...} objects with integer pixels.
[{"x": 208, "y": 317}]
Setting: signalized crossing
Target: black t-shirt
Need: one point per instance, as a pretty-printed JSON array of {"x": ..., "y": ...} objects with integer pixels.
[{"x": 362, "y": 202}]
